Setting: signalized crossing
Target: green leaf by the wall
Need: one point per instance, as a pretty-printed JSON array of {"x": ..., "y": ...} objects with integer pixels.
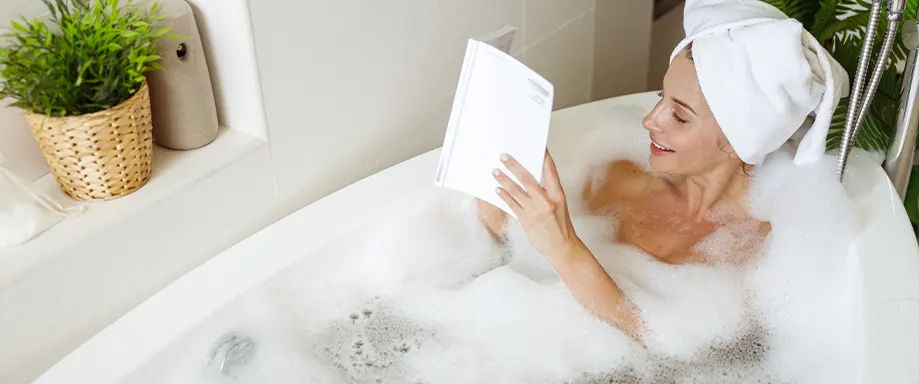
[
  {"x": 96, "y": 61},
  {"x": 873, "y": 135},
  {"x": 825, "y": 14},
  {"x": 802, "y": 10}
]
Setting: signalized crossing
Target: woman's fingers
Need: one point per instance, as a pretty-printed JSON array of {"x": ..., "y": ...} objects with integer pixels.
[
  {"x": 550, "y": 175},
  {"x": 510, "y": 188},
  {"x": 525, "y": 177},
  {"x": 510, "y": 201}
]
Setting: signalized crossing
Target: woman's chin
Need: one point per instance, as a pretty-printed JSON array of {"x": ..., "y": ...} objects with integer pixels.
[{"x": 660, "y": 164}]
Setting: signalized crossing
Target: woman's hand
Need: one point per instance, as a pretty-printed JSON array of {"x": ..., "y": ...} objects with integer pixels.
[
  {"x": 542, "y": 211},
  {"x": 543, "y": 214}
]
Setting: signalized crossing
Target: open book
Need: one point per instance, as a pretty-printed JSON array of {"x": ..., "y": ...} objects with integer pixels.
[{"x": 501, "y": 106}]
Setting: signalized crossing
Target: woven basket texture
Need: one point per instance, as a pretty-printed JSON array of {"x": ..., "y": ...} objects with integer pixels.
[{"x": 99, "y": 156}]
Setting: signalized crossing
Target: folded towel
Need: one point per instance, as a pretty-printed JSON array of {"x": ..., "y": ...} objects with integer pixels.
[{"x": 762, "y": 74}]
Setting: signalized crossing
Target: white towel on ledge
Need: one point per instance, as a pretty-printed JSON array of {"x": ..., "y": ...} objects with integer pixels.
[{"x": 762, "y": 74}]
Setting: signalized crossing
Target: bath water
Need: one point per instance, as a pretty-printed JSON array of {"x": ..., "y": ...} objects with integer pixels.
[{"x": 429, "y": 297}]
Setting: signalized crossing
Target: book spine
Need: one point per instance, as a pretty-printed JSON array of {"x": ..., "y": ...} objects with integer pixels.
[{"x": 459, "y": 103}]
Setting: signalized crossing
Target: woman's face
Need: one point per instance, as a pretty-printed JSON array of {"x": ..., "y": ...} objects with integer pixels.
[{"x": 685, "y": 138}]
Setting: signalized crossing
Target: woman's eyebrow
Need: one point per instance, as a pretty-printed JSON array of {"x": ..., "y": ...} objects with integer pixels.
[{"x": 681, "y": 102}]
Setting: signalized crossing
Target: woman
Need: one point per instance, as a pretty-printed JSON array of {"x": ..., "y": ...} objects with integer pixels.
[{"x": 714, "y": 122}]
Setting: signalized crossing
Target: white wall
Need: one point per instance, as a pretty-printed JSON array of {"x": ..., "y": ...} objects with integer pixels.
[
  {"x": 16, "y": 142},
  {"x": 354, "y": 86}
]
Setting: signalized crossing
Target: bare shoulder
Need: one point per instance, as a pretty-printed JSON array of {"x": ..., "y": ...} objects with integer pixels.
[
  {"x": 621, "y": 180},
  {"x": 748, "y": 251}
]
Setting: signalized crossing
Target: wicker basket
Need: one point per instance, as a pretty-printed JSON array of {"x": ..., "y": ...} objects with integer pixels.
[{"x": 102, "y": 155}]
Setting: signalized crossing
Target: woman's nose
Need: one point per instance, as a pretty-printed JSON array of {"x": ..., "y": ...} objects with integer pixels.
[{"x": 650, "y": 123}]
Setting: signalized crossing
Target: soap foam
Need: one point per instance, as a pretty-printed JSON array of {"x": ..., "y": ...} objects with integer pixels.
[{"x": 429, "y": 297}]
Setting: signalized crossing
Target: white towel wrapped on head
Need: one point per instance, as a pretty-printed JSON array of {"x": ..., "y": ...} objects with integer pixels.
[{"x": 762, "y": 74}]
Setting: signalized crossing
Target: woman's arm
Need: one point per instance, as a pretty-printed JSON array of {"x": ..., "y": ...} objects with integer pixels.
[
  {"x": 586, "y": 279},
  {"x": 544, "y": 217}
]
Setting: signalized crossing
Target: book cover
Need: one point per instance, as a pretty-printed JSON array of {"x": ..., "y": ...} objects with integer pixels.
[{"x": 501, "y": 106}]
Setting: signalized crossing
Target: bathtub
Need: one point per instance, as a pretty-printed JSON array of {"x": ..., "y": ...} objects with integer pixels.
[{"x": 884, "y": 260}]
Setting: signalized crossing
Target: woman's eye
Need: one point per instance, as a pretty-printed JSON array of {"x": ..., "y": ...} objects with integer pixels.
[{"x": 677, "y": 118}]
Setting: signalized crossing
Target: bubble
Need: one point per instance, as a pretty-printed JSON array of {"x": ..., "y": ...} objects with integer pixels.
[{"x": 428, "y": 296}]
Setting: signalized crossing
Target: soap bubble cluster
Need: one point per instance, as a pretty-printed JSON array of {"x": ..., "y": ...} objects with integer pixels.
[
  {"x": 370, "y": 345},
  {"x": 429, "y": 297}
]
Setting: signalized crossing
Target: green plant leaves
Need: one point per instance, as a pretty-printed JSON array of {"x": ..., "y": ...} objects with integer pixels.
[
  {"x": 825, "y": 15},
  {"x": 802, "y": 10},
  {"x": 873, "y": 135},
  {"x": 96, "y": 61},
  {"x": 841, "y": 26}
]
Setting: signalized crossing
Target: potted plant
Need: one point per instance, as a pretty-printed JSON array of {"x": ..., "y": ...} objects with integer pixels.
[{"x": 79, "y": 80}]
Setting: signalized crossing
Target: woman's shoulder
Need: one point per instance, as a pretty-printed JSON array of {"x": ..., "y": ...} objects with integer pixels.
[{"x": 617, "y": 181}]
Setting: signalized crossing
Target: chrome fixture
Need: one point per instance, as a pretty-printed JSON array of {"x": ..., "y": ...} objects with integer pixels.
[
  {"x": 851, "y": 128},
  {"x": 899, "y": 159},
  {"x": 229, "y": 351}
]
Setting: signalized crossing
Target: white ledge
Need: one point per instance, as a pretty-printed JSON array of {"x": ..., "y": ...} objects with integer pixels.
[{"x": 173, "y": 171}]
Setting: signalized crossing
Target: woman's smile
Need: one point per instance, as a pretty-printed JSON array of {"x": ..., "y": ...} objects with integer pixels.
[{"x": 659, "y": 150}]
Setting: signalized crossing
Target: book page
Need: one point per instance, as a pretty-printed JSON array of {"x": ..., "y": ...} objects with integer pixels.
[{"x": 501, "y": 106}]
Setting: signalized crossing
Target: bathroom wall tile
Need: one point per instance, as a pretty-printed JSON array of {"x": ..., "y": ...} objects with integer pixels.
[
  {"x": 667, "y": 33},
  {"x": 566, "y": 59},
  {"x": 428, "y": 126},
  {"x": 16, "y": 142},
  {"x": 425, "y": 129},
  {"x": 420, "y": 133},
  {"x": 342, "y": 79},
  {"x": 18, "y": 146},
  {"x": 545, "y": 17},
  {"x": 622, "y": 47}
]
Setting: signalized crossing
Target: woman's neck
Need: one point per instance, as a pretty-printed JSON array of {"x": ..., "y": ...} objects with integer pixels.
[{"x": 725, "y": 183}]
